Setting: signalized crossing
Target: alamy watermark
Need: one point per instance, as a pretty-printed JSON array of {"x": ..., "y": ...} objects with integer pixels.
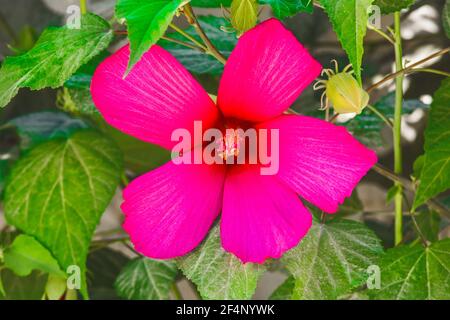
[{"x": 228, "y": 146}]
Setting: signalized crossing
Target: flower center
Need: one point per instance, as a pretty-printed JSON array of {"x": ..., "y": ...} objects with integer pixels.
[{"x": 230, "y": 144}]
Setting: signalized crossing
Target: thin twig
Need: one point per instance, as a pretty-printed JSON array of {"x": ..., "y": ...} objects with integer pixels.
[
  {"x": 434, "y": 71},
  {"x": 407, "y": 70},
  {"x": 381, "y": 116},
  {"x": 381, "y": 33},
  {"x": 407, "y": 184},
  {"x": 188, "y": 36},
  {"x": 419, "y": 231},
  {"x": 186, "y": 44},
  {"x": 192, "y": 19}
]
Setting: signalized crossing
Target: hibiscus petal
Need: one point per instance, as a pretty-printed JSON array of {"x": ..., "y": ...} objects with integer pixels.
[
  {"x": 265, "y": 73},
  {"x": 168, "y": 211},
  {"x": 261, "y": 217},
  {"x": 158, "y": 96},
  {"x": 321, "y": 161}
]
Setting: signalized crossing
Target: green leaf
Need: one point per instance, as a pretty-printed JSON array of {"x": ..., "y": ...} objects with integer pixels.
[
  {"x": 415, "y": 273},
  {"x": 446, "y": 18},
  {"x": 435, "y": 175},
  {"x": 284, "y": 291},
  {"x": 219, "y": 275},
  {"x": 27, "y": 254},
  {"x": 58, "y": 53},
  {"x": 31, "y": 287},
  {"x": 81, "y": 79},
  {"x": 244, "y": 15},
  {"x": 104, "y": 266},
  {"x": 349, "y": 20},
  {"x": 38, "y": 127},
  {"x": 332, "y": 259},
  {"x": 58, "y": 191},
  {"x": 196, "y": 61},
  {"x": 211, "y": 3},
  {"x": 146, "y": 279},
  {"x": 77, "y": 102},
  {"x": 288, "y": 8},
  {"x": 367, "y": 126},
  {"x": 418, "y": 166},
  {"x": 147, "y": 21},
  {"x": 391, "y": 6}
]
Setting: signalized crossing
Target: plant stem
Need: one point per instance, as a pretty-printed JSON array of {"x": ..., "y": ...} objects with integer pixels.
[
  {"x": 407, "y": 184},
  {"x": 186, "y": 44},
  {"x": 124, "y": 179},
  {"x": 439, "y": 72},
  {"x": 83, "y": 6},
  {"x": 380, "y": 115},
  {"x": 211, "y": 49},
  {"x": 398, "y": 166},
  {"x": 188, "y": 36},
  {"x": 381, "y": 33},
  {"x": 176, "y": 291}
]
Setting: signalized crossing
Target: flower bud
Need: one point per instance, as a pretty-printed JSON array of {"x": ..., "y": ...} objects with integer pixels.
[
  {"x": 244, "y": 15},
  {"x": 345, "y": 94}
]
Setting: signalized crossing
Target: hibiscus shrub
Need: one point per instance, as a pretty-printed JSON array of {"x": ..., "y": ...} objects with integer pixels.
[{"x": 125, "y": 87}]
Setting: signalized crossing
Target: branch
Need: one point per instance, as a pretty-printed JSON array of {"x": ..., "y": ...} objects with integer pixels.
[
  {"x": 192, "y": 19},
  {"x": 407, "y": 184},
  {"x": 407, "y": 70}
]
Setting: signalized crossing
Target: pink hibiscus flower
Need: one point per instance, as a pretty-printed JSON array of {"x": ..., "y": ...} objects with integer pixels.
[{"x": 169, "y": 211}]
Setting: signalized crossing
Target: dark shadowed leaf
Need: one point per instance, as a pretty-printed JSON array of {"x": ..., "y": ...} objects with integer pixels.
[
  {"x": 196, "y": 61},
  {"x": 38, "y": 127},
  {"x": 103, "y": 268},
  {"x": 287, "y": 8},
  {"x": 391, "y": 6},
  {"x": 14, "y": 287}
]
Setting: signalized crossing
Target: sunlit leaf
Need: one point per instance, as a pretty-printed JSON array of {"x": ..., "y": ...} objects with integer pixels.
[
  {"x": 435, "y": 175},
  {"x": 147, "y": 21},
  {"x": 26, "y": 254},
  {"x": 58, "y": 191},
  {"x": 349, "y": 20},
  {"x": 58, "y": 53}
]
